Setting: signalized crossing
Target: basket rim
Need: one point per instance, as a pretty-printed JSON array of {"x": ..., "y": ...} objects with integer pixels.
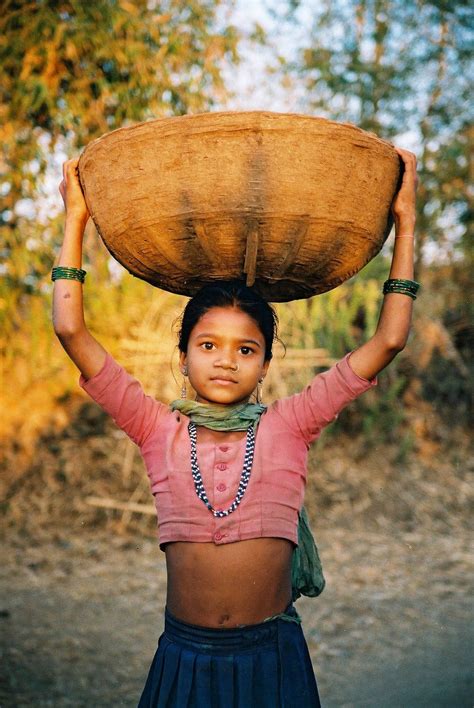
[{"x": 262, "y": 114}]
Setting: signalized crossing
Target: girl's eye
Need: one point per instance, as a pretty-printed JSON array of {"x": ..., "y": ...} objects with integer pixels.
[
  {"x": 208, "y": 346},
  {"x": 246, "y": 350}
]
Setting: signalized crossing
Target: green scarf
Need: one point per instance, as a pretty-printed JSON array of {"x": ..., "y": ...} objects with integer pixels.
[
  {"x": 216, "y": 417},
  {"x": 306, "y": 571}
]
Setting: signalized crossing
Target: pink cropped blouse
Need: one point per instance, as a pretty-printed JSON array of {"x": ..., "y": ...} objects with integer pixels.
[{"x": 277, "y": 483}]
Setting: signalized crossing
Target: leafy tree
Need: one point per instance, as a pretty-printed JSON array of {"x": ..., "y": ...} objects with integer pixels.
[
  {"x": 396, "y": 67},
  {"x": 70, "y": 71}
]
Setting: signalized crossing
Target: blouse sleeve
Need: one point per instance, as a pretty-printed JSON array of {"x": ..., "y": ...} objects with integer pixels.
[
  {"x": 308, "y": 412},
  {"x": 122, "y": 397}
]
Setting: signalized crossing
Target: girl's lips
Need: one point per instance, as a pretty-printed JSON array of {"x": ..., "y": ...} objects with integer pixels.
[{"x": 223, "y": 381}]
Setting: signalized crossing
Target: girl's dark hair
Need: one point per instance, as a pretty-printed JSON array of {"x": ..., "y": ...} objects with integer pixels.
[{"x": 230, "y": 293}]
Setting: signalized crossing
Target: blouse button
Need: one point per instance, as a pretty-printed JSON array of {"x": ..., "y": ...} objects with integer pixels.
[
  {"x": 223, "y": 448},
  {"x": 221, "y": 487},
  {"x": 217, "y": 536},
  {"x": 221, "y": 466}
]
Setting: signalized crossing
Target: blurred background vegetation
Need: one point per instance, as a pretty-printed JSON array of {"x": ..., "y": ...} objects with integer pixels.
[
  {"x": 70, "y": 71},
  {"x": 389, "y": 488}
]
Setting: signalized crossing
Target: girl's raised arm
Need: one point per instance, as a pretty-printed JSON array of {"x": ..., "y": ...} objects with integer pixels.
[
  {"x": 395, "y": 316},
  {"x": 68, "y": 314}
]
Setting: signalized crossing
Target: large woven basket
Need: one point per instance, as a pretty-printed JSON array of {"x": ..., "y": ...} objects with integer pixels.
[{"x": 293, "y": 204}]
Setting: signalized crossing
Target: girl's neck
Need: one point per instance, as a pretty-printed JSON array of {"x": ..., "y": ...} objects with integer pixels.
[{"x": 221, "y": 405}]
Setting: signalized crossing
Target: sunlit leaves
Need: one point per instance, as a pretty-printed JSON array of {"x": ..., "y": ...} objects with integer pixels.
[
  {"x": 400, "y": 69},
  {"x": 71, "y": 71}
]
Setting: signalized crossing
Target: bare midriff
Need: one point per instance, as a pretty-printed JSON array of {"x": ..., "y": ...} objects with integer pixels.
[{"x": 230, "y": 584}]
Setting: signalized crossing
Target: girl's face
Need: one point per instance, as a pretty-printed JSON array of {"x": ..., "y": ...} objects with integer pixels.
[{"x": 225, "y": 356}]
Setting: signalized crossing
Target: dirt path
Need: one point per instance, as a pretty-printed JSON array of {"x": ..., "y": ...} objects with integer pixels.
[{"x": 393, "y": 628}]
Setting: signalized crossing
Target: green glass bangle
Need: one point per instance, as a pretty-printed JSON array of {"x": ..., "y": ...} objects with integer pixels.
[
  {"x": 390, "y": 286},
  {"x": 402, "y": 292},
  {"x": 400, "y": 281},
  {"x": 401, "y": 289},
  {"x": 399, "y": 285},
  {"x": 65, "y": 273}
]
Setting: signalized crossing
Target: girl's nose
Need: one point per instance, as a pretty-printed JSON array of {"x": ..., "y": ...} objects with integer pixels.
[{"x": 227, "y": 362}]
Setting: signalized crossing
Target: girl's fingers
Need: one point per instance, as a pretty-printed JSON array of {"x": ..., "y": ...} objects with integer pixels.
[
  {"x": 70, "y": 168},
  {"x": 403, "y": 205},
  {"x": 70, "y": 189},
  {"x": 409, "y": 161},
  {"x": 72, "y": 164},
  {"x": 409, "y": 158}
]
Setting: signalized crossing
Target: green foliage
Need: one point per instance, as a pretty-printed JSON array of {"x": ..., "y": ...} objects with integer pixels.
[
  {"x": 90, "y": 67},
  {"x": 399, "y": 69},
  {"x": 340, "y": 319},
  {"x": 72, "y": 71}
]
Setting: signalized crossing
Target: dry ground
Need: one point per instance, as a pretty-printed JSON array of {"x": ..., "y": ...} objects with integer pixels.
[
  {"x": 83, "y": 589},
  {"x": 80, "y": 620}
]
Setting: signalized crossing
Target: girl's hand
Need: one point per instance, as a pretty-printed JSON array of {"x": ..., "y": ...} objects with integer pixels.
[
  {"x": 403, "y": 205},
  {"x": 71, "y": 192}
]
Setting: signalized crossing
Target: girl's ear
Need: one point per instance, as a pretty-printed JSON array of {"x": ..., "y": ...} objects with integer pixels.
[
  {"x": 265, "y": 366},
  {"x": 182, "y": 361}
]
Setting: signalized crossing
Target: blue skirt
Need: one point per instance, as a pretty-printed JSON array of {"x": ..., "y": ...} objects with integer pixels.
[{"x": 264, "y": 665}]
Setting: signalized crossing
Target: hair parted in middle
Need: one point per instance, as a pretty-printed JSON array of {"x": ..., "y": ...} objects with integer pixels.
[{"x": 230, "y": 293}]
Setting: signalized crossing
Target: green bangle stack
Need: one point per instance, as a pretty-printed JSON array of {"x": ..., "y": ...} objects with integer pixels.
[
  {"x": 404, "y": 287},
  {"x": 64, "y": 273}
]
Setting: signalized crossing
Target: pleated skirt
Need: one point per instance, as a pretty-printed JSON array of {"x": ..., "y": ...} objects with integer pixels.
[{"x": 264, "y": 665}]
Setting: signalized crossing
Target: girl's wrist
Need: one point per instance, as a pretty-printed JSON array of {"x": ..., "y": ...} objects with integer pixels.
[
  {"x": 74, "y": 229},
  {"x": 404, "y": 226},
  {"x": 77, "y": 219},
  {"x": 405, "y": 229}
]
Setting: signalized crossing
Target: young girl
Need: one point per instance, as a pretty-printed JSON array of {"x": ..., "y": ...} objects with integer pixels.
[{"x": 228, "y": 476}]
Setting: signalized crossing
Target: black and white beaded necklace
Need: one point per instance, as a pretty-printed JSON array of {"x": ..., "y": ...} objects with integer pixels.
[{"x": 244, "y": 477}]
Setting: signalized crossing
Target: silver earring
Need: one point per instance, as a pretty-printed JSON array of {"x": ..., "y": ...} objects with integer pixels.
[
  {"x": 184, "y": 390},
  {"x": 260, "y": 391}
]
